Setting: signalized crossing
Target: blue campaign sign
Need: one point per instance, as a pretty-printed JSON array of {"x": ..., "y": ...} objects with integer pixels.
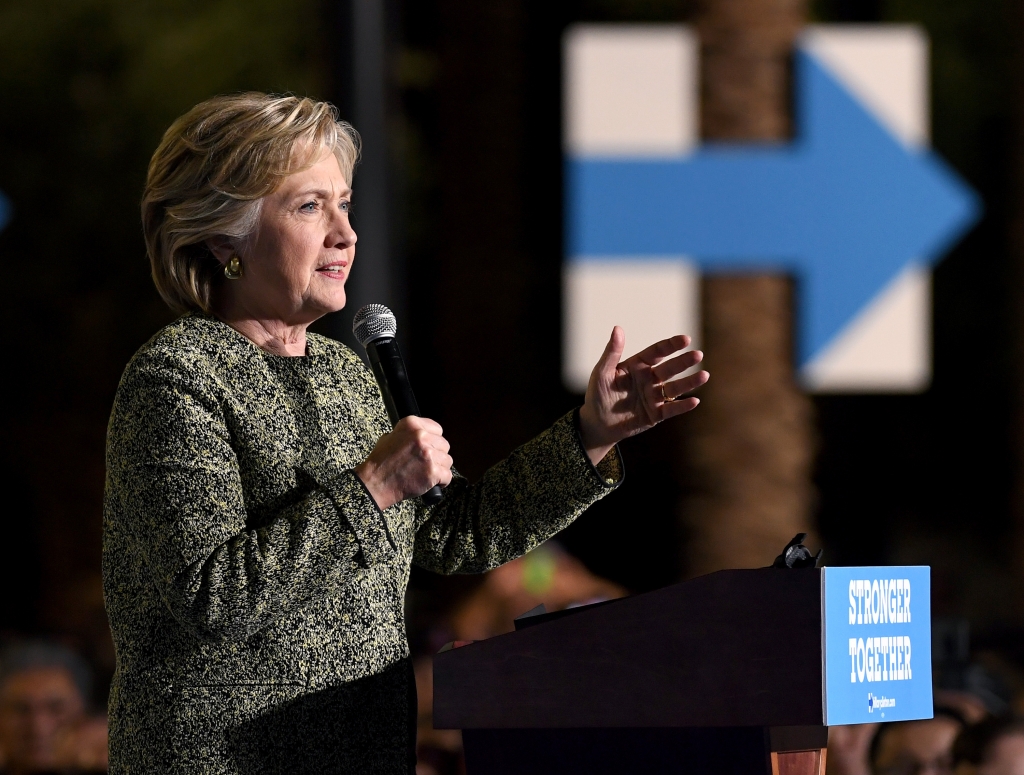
[
  {"x": 878, "y": 646},
  {"x": 845, "y": 207}
]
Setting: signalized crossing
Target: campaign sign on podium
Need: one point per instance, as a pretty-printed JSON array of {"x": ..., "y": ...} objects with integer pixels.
[{"x": 878, "y": 646}]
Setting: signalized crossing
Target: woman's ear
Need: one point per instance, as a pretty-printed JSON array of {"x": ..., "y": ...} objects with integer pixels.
[{"x": 222, "y": 248}]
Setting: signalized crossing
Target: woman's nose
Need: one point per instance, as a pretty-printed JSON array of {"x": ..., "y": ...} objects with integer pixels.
[{"x": 341, "y": 234}]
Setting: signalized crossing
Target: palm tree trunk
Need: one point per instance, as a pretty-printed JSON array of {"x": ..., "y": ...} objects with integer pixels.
[{"x": 750, "y": 446}]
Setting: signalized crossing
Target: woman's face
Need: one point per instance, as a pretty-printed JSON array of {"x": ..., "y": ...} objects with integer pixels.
[{"x": 295, "y": 267}]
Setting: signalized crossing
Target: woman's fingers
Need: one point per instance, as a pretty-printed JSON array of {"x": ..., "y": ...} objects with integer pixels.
[
  {"x": 428, "y": 441},
  {"x": 673, "y": 367},
  {"x": 424, "y": 432},
  {"x": 432, "y": 449},
  {"x": 677, "y": 407},
  {"x": 420, "y": 423},
  {"x": 658, "y": 351},
  {"x": 437, "y": 471},
  {"x": 612, "y": 351},
  {"x": 442, "y": 472},
  {"x": 429, "y": 464},
  {"x": 407, "y": 462},
  {"x": 670, "y": 391}
]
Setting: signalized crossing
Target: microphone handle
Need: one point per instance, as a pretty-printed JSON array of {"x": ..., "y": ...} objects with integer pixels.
[{"x": 393, "y": 381}]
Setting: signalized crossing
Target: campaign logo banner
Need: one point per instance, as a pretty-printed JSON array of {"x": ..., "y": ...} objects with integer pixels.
[{"x": 878, "y": 645}]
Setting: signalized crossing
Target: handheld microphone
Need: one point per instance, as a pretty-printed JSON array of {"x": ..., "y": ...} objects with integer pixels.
[{"x": 375, "y": 327}]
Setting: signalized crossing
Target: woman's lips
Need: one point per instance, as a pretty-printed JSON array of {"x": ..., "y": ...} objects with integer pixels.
[{"x": 333, "y": 271}]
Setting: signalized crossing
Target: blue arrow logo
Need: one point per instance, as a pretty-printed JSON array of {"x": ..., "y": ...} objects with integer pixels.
[
  {"x": 5, "y": 210},
  {"x": 845, "y": 207}
]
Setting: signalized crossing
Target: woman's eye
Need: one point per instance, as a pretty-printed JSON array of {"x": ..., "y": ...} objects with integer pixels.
[
  {"x": 346, "y": 206},
  {"x": 308, "y": 207}
]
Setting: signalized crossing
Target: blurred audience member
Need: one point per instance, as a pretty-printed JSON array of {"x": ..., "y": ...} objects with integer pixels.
[
  {"x": 917, "y": 747},
  {"x": 44, "y": 722},
  {"x": 849, "y": 749},
  {"x": 547, "y": 575},
  {"x": 438, "y": 751},
  {"x": 993, "y": 747},
  {"x": 975, "y": 692},
  {"x": 961, "y": 682}
]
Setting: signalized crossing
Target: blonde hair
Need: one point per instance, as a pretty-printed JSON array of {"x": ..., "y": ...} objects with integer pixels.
[{"x": 211, "y": 171}]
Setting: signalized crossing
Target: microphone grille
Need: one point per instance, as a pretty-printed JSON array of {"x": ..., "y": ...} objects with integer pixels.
[{"x": 374, "y": 321}]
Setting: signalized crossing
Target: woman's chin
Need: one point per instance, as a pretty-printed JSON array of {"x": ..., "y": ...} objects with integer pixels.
[{"x": 333, "y": 303}]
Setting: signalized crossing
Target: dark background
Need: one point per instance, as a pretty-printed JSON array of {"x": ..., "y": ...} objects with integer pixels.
[{"x": 86, "y": 89}]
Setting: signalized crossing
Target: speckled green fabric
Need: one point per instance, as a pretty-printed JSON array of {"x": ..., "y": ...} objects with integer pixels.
[{"x": 254, "y": 589}]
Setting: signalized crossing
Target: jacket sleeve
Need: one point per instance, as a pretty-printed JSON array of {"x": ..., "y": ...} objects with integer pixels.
[
  {"x": 522, "y": 501},
  {"x": 178, "y": 491}
]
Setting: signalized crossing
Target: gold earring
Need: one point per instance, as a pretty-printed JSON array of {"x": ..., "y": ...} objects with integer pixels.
[{"x": 233, "y": 269}]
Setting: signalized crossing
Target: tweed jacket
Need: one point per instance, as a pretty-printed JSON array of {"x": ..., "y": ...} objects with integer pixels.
[{"x": 255, "y": 591}]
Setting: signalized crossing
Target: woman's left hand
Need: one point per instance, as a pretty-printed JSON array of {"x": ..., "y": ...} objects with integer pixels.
[{"x": 624, "y": 399}]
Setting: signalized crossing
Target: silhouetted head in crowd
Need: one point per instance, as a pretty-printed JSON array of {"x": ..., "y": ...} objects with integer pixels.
[
  {"x": 974, "y": 691},
  {"x": 917, "y": 747},
  {"x": 993, "y": 747},
  {"x": 44, "y": 690}
]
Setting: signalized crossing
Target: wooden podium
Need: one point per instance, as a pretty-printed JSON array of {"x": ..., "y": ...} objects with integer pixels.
[{"x": 721, "y": 674}]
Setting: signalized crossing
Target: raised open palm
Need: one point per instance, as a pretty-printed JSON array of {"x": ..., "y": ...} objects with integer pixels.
[{"x": 628, "y": 397}]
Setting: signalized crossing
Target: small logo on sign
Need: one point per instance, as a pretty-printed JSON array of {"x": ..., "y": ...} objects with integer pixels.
[{"x": 880, "y": 702}]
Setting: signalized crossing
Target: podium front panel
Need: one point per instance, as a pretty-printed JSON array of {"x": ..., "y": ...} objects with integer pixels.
[{"x": 730, "y": 649}]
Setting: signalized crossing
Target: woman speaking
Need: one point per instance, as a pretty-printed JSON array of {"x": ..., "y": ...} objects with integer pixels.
[{"x": 261, "y": 516}]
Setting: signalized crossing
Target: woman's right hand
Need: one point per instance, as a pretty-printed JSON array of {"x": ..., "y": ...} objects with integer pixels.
[{"x": 407, "y": 462}]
